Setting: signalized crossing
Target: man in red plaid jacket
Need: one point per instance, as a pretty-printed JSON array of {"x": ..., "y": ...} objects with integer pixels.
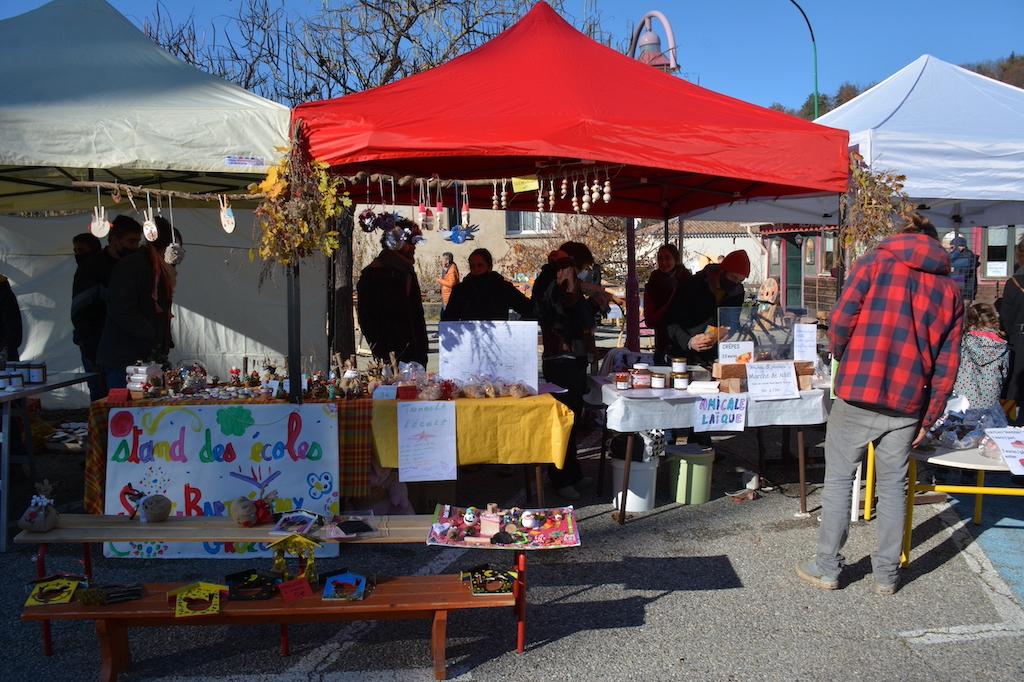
[{"x": 896, "y": 334}]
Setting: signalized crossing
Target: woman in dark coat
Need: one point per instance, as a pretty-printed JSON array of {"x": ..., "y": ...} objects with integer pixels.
[
  {"x": 659, "y": 292},
  {"x": 1011, "y": 315},
  {"x": 484, "y": 294}
]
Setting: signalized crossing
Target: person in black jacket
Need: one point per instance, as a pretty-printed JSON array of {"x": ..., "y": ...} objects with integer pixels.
[
  {"x": 695, "y": 307},
  {"x": 89, "y": 290},
  {"x": 1011, "y": 316},
  {"x": 484, "y": 294},
  {"x": 139, "y": 298},
  {"x": 390, "y": 305},
  {"x": 10, "y": 320},
  {"x": 567, "y": 312}
]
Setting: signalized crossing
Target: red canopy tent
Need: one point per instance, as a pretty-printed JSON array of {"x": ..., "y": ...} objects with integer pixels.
[{"x": 543, "y": 99}]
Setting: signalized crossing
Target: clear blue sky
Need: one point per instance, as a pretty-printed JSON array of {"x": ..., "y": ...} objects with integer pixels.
[{"x": 759, "y": 50}]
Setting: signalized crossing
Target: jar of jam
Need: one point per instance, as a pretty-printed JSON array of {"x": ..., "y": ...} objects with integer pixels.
[
  {"x": 37, "y": 373},
  {"x": 17, "y": 381},
  {"x": 657, "y": 380},
  {"x": 641, "y": 374},
  {"x": 678, "y": 365},
  {"x": 622, "y": 381},
  {"x": 5, "y": 380},
  {"x": 681, "y": 380}
]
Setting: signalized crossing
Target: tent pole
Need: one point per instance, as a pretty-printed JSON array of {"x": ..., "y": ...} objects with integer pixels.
[
  {"x": 294, "y": 362},
  {"x": 632, "y": 290}
]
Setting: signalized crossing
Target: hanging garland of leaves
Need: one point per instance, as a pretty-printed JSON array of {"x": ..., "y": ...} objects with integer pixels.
[
  {"x": 876, "y": 206},
  {"x": 301, "y": 203}
]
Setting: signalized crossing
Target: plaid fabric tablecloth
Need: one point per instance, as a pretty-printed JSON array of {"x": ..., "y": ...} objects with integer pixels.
[{"x": 355, "y": 444}]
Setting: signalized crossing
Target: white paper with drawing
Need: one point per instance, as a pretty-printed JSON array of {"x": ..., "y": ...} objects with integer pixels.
[
  {"x": 504, "y": 350},
  {"x": 426, "y": 441}
]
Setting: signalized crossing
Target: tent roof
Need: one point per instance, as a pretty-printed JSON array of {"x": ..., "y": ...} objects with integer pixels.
[
  {"x": 956, "y": 135},
  {"x": 542, "y": 96},
  {"x": 84, "y": 88}
]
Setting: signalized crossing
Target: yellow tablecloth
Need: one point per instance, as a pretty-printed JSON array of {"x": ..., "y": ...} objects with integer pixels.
[{"x": 532, "y": 430}]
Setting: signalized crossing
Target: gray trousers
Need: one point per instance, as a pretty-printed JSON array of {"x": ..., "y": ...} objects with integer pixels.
[{"x": 850, "y": 429}]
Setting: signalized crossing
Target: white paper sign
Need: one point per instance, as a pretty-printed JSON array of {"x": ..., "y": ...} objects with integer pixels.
[
  {"x": 1011, "y": 443},
  {"x": 426, "y": 441},
  {"x": 721, "y": 412},
  {"x": 503, "y": 350},
  {"x": 772, "y": 381},
  {"x": 204, "y": 457},
  {"x": 805, "y": 342},
  {"x": 729, "y": 351},
  {"x": 995, "y": 269}
]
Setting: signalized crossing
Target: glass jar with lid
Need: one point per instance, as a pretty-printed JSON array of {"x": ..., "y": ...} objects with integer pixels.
[{"x": 641, "y": 375}]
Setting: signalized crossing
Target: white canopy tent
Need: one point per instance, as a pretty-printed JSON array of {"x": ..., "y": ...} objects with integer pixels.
[
  {"x": 87, "y": 95},
  {"x": 956, "y": 135}
]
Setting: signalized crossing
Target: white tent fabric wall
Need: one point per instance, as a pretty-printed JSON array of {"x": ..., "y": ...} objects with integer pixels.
[{"x": 220, "y": 313}]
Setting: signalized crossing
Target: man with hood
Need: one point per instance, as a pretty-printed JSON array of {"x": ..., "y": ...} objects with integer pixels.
[
  {"x": 964, "y": 264},
  {"x": 695, "y": 307},
  {"x": 390, "y": 306},
  {"x": 895, "y": 332}
]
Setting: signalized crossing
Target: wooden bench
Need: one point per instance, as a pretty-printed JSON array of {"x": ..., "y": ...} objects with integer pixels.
[
  {"x": 404, "y": 598},
  {"x": 399, "y": 598}
]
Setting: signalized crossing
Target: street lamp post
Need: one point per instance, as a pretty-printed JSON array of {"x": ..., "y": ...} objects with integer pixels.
[
  {"x": 651, "y": 53},
  {"x": 814, "y": 47}
]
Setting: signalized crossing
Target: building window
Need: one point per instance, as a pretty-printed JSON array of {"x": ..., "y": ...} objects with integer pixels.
[
  {"x": 528, "y": 224},
  {"x": 997, "y": 251},
  {"x": 809, "y": 246},
  {"x": 774, "y": 259},
  {"x": 828, "y": 253}
]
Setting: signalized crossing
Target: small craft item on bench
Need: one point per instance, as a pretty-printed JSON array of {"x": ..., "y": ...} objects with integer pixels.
[
  {"x": 99, "y": 595},
  {"x": 41, "y": 515},
  {"x": 54, "y": 589},
  {"x": 295, "y": 523},
  {"x": 251, "y": 585},
  {"x": 197, "y": 599},
  {"x": 345, "y": 586},
  {"x": 154, "y": 508},
  {"x": 300, "y": 547},
  {"x": 248, "y": 513},
  {"x": 485, "y": 579}
]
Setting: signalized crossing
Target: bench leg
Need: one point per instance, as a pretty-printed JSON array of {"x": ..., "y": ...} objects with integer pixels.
[
  {"x": 286, "y": 649},
  {"x": 438, "y": 634},
  {"x": 538, "y": 479},
  {"x": 519, "y": 591},
  {"x": 115, "y": 656},
  {"x": 87, "y": 561}
]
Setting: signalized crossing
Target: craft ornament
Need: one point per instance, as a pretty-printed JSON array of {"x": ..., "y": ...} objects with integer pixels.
[{"x": 227, "y": 215}]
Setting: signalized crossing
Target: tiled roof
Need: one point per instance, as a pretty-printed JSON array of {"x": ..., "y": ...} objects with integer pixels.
[{"x": 714, "y": 228}]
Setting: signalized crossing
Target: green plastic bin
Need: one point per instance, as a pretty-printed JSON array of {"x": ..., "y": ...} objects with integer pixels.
[{"x": 689, "y": 474}]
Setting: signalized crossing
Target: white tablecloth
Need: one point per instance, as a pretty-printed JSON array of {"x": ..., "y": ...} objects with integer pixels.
[{"x": 678, "y": 411}]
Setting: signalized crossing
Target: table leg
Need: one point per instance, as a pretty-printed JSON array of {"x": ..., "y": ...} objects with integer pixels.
[
  {"x": 908, "y": 522},
  {"x": 519, "y": 590},
  {"x": 438, "y": 633},
  {"x": 978, "y": 498},
  {"x": 5, "y": 473},
  {"x": 625, "y": 477},
  {"x": 759, "y": 437},
  {"x": 604, "y": 449},
  {"x": 869, "y": 483},
  {"x": 538, "y": 475},
  {"x": 286, "y": 649},
  {"x": 802, "y": 461}
]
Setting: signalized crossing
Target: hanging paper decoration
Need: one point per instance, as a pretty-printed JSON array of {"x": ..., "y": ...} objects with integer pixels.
[
  {"x": 149, "y": 230},
  {"x": 100, "y": 226},
  {"x": 227, "y": 215}
]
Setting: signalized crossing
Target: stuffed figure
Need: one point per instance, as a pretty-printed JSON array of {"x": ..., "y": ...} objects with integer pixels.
[
  {"x": 154, "y": 509},
  {"x": 249, "y": 513},
  {"x": 41, "y": 515}
]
